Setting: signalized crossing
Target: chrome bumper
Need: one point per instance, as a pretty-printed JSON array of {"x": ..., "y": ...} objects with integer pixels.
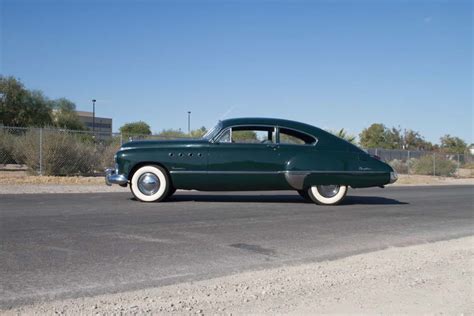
[
  {"x": 111, "y": 177},
  {"x": 393, "y": 177}
]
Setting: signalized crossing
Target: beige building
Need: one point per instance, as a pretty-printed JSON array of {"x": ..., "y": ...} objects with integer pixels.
[{"x": 103, "y": 125}]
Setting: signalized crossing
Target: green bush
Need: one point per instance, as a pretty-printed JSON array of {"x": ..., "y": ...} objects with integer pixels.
[{"x": 426, "y": 165}]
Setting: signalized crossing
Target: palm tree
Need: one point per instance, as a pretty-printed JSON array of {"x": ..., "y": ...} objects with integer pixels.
[{"x": 344, "y": 135}]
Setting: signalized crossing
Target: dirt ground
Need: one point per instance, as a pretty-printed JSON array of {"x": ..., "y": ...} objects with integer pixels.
[
  {"x": 404, "y": 179},
  {"x": 434, "y": 278}
]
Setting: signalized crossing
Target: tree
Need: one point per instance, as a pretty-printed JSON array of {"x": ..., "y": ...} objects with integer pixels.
[
  {"x": 20, "y": 107},
  {"x": 135, "y": 128},
  {"x": 394, "y": 138},
  {"x": 412, "y": 140},
  {"x": 344, "y": 135},
  {"x": 247, "y": 136},
  {"x": 452, "y": 144},
  {"x": 374, "y": 136},
  {"x": 379, "y": 136},
  {"x": 171, "y": 133},
  {"x": 198, "y": 133},
  {"x": 65, "y": 116}
]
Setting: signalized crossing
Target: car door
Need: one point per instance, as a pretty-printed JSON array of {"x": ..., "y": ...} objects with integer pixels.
[{"x": 245, "y": 158}]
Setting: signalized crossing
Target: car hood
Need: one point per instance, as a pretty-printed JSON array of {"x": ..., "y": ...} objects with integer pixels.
[{"x": 162, "y": 143}]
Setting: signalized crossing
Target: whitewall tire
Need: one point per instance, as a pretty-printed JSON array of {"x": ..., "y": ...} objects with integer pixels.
[
  {"x": 327, "y": 194},
  {"x": 150, "y": 184}
]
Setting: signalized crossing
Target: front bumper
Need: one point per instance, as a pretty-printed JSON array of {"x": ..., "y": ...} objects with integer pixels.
[
  {"x": 393, "y": 177},
  {"x": 111, "y": 177}
]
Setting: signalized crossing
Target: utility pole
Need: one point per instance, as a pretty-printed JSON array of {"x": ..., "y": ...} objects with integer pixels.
[
  {"x": 189, "y": 123},
  {"x": 93, "y": 117}
]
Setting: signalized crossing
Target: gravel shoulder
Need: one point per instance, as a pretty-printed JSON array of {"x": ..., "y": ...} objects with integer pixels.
[{"x": 434, "y": 278}]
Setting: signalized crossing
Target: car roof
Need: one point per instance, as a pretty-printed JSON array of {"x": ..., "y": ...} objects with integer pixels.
[
  {"x": 273, "y": 122},
  {"x": 325, "y": 139}
]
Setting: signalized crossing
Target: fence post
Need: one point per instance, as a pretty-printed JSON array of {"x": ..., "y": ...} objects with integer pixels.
[
  {"x": 376, "y": 152},
  {"x": 408, "y": 162},
  {"x": 41, "y": 151},
  {"x": 121, "y": 139},
  {"x": 434, "y": 164}
]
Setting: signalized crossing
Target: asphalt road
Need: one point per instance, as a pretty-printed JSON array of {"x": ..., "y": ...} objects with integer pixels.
[{"x": 70, "y": 245}]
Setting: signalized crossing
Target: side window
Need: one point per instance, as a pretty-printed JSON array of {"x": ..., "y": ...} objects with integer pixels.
[
  {"x": 289, "y": 136},
  {"x": 253, "y": 135},
  {"x": 249, "y": 135}
]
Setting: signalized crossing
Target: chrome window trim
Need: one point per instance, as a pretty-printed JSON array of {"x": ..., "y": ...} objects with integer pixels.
[
  {"x": 316, "y": 140},
  {"x": 276, "y": 129},
  {"x": 215, "y": 139}
]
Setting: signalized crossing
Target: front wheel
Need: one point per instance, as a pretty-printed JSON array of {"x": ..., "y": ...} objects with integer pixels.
[
  {"x": 150, "y": 184},
  {"x": 327, "y": 194}
]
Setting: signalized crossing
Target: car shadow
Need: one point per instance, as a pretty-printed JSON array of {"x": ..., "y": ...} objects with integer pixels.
[
  {"x": 284, "y": 198},
  {"x": 370, "y": 200}
]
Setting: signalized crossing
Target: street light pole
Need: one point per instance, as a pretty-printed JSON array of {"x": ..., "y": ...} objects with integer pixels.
[
  {"x": 93, "y": 117},
  {"x": 189, "y": 122}
]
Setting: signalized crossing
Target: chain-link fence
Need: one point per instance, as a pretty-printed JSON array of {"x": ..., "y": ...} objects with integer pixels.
[
  {"x": 426, "y": 162},
  {"x": 48, "y": 151}
]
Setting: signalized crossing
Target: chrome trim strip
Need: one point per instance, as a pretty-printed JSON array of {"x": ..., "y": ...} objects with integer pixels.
[
  {"x": 273, "y": 172},
  {"x": 224, "y": 172}
]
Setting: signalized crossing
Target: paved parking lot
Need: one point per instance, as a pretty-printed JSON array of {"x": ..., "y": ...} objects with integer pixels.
[{"x": 69, "y": 245}]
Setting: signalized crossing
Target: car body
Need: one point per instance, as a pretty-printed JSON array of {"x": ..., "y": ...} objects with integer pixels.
[{"x": 250, "y": 154}]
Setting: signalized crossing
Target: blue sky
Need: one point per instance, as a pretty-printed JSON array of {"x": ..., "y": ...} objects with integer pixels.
[{"x": 333, "y": 64}]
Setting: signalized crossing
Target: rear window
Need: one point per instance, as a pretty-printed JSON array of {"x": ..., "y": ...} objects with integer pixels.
[{"x": 290, "y": 136}]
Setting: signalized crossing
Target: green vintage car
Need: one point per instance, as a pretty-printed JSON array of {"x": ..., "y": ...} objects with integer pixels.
[{"x": 245, "y": 154}]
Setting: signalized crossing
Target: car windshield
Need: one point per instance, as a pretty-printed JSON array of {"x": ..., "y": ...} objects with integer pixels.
[{"x": 213, "y": 131}]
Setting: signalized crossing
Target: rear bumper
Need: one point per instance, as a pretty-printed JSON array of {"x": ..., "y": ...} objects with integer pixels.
[
  {"x": 393, "y": 177},
  {"x": 111, "y": 177}
]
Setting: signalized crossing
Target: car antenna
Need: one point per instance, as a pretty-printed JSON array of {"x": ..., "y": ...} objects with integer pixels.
[{"x": 227, "y": 113}]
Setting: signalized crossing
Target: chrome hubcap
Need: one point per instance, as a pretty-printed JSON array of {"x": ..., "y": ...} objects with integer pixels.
[
  {"x": 328, "y": 191},
  {"x": 148, "y": 183}
]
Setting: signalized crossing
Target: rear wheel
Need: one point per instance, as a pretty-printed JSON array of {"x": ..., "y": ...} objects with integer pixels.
[
  {"x": 327, "y": 194},
  {"x": 150, "y": 184}
]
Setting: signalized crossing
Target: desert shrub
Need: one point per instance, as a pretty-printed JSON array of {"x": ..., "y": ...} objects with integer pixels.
[
  {"x": 469, "y": 165},
  {"x": 444, "y": 167},
  {"x": 7, "y": 145},
  {"x": 400, "y": 166},
  {"x": 403, "y": 167},
  {"x": 62, "y": 153},
  {"x": 107, "y": 152}
]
